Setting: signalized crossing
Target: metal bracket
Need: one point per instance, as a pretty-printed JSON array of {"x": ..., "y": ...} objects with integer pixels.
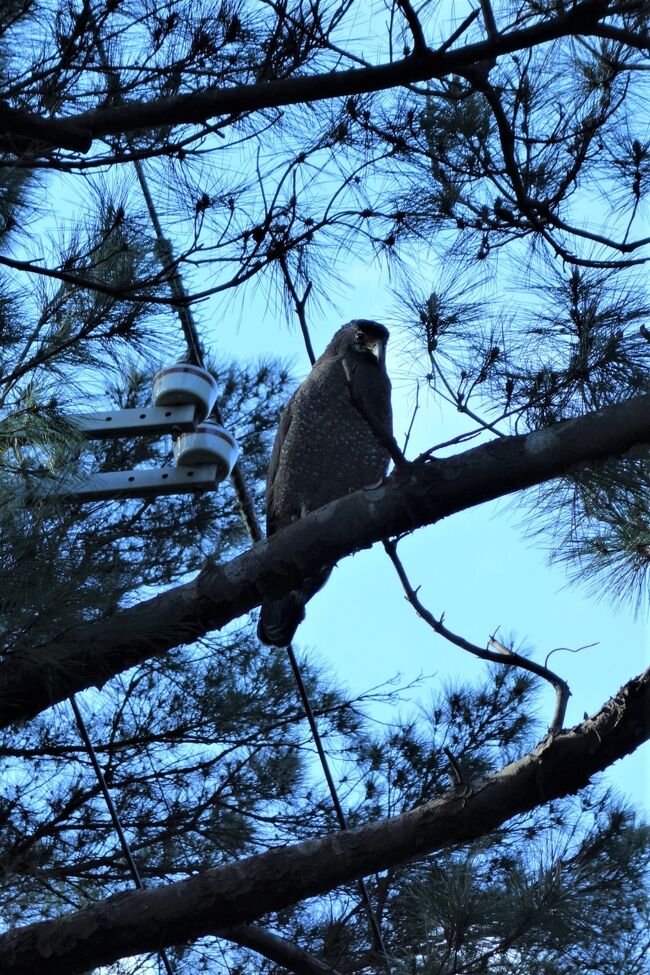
[
  {"x": 121, "y": 485},
  {"x": 149, "y": 421}
]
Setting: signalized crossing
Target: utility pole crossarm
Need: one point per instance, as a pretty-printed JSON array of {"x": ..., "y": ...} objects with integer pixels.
[
  {"x": 148, "y": 421},
  {"x": 121, "y": 485}
]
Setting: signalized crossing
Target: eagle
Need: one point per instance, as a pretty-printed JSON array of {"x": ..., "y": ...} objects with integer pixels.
[{"x": 330, "y": 441}]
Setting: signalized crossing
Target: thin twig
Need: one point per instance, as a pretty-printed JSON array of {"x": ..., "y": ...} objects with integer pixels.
[
  {"x": 299, "y": 305},
  {"x": 412, "y": 19},
  {"x": 461, "y": 404},
  {"x": 115, "y": 819},
  {"x": 506, "y": 656},
  {"x": 375, "y": 930},
  {"x": 415, "y": 412},
  {"x": 469, "y": 20},
  {"x": 586, "y": 646}
]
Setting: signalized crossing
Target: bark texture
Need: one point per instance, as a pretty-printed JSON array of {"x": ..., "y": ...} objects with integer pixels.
[
  {"x": 421, "y": 493},
  {"x": 141, "y": 921}
]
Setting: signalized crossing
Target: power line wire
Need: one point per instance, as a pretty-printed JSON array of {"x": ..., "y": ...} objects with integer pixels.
[{"x": 115, "y": 816}]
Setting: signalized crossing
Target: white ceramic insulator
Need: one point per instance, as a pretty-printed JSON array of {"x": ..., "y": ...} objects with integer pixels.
[
  {"x": 185, "y": 383},
  {"x": 208, "y": 444}
]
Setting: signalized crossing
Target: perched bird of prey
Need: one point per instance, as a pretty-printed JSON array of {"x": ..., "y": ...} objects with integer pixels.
[{"x": 329, "y": 443}]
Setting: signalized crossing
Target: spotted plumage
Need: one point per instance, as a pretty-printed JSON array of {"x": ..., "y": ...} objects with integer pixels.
[{"x": 325, "y": 448}]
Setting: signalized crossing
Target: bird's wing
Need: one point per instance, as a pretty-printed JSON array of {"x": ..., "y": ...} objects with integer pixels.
[{"x": 274, "y": 463}]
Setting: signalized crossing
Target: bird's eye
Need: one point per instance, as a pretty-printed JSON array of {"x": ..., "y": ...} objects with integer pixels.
[{"x": 361, "y": 338}]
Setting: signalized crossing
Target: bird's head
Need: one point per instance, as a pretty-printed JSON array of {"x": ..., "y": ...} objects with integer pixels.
[{"x": 360, "y": 337}]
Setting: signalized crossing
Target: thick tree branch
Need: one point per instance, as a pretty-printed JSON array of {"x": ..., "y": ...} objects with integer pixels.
[
  {"x": 420, "y": 493},
  {"x": 199, "y": 106},
  {"x": 21, "y": 132},
  {"x": 141, "y": 921}
]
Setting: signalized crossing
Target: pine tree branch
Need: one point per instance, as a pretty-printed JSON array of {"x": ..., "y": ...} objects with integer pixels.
[
  {"x": 141, "y": 921},
  {"x": 299, "y": 305},
  {"x": 420, "y": 493},
  {"x": 583, "y": 18},
  {"x": 638, "y": 39},
  {"x": 410, "y": 16},
  {"x": 505, "y": 657},
  {"x": 277, "y": 949},
  {"x": 21, "y": 132}
]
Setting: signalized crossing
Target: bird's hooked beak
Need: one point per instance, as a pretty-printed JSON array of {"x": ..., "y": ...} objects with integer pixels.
[{"x": 373, "y": 345}]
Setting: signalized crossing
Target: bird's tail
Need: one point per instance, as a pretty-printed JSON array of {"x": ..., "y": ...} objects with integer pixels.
[{"x": 280, "y": 618}]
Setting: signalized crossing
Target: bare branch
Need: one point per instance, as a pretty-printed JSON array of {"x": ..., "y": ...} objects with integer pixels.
[
  {"x": 419, "y": 41},
  {"x": 79, "y": 281},
  {"x": 299, "y": 305},
  {"x": 460, "y": 30},
  {"x": 504, "y": 656},
  {"x": 488, "y": 19},
  {"x": 277, "y": 949}
]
